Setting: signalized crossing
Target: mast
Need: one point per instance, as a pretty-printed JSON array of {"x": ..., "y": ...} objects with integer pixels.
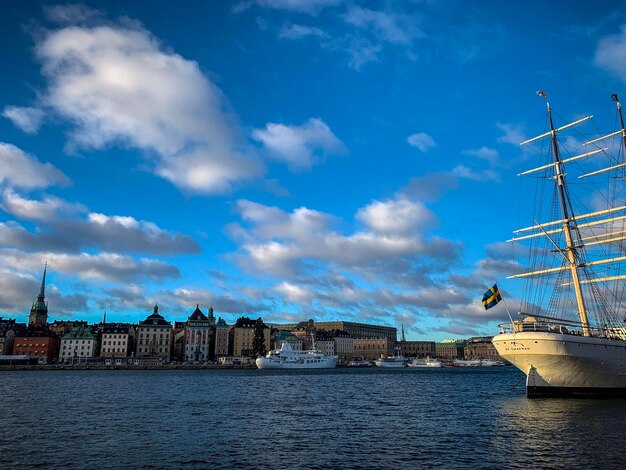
[
  {"x": 570, "y": 249},
  {"x": 615, "y": 98}
]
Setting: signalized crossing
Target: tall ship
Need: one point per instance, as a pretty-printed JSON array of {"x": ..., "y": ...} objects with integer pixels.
[
  {"x": 287, "y": 358},
  {"x": 570, "y": 337}
]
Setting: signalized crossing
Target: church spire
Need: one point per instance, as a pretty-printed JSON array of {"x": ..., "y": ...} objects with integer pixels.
[
  {"x": 39, "y": 310},
  {"x": 403, "y": 337},
  {"x": 42, "y": 291}
]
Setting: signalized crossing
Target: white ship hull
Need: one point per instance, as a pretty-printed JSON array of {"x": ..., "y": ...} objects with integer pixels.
[
  {"x": 566, "y": 365},
  {"x": 389, "y": 364},
  {"x": 425, "y": 364},
  {"x": 270, "y": 363}
]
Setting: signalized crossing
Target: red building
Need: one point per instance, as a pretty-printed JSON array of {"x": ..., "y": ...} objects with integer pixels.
[{"x": 38, "y": 343}]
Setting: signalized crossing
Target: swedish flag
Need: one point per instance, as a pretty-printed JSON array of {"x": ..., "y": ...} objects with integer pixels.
[{"x": 491, "y": 297}]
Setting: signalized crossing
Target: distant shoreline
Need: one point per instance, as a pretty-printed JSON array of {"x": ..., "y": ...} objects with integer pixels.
[{"x": 69, "y": 367}]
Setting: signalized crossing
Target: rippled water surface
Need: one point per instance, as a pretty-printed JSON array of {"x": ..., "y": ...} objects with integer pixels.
[{"x": 365, "y": 418}]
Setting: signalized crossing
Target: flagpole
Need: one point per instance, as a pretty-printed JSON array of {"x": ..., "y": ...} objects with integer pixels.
[{"x": 507, "y": 310}]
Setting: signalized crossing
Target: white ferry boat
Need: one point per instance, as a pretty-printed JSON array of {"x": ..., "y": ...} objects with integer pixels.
[
  {"x": 571, "y": 340},
  {"x": 423, "y": 362},
  {"x": 287, "y": 358},
  {"x": 390, "y": 361}
]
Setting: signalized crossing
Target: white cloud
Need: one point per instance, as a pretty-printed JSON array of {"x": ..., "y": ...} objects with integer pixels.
[
  {"x": 295, "y": 293},
  {"x": 399, "y": 216},
  {"x": 20, "y": 170},
  {"x": 421, "y": 140},
  {"x": 311, "y": 7},
  {"x": 611, "y": 54},
  {"x": 99, "y": 231},
  {"x": 297, "y": 31},
  {"x": 513, "y": 133},
  {"x": 462, "y": 171},
  {"x": 49, "y": 209},
  {"x": 485, "y": 153},
  {"x": 101, "y": 267},
  {"x": 390, "y": 27},
  {"x": 118, "y": 85},
  {"x": 27, "y": 119},
  {"x": 289, "y": 244},
  {"x": 299, "y": 146}
]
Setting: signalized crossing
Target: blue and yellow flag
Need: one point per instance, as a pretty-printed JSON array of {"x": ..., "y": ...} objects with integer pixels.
[{"x": 491, "y": 297}]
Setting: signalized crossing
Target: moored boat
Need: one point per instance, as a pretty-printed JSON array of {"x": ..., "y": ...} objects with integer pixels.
[
  {"x": 424, "y": 362},
  {"x": 288, "y": 358},
  {"x": 571, "y": 340},
  {"x": 390, "y": 361}
]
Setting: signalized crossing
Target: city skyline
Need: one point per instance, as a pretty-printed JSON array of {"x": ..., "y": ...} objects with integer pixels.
[{"x": 283, "y": 159}]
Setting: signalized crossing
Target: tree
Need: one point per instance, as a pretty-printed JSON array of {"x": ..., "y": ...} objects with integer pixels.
[{"x": 258, "y": 340}]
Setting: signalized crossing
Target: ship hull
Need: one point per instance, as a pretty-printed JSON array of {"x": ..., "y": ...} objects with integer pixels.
[
  {"x": 265, "y": 363},
  {"x": 563, "y": 365}
]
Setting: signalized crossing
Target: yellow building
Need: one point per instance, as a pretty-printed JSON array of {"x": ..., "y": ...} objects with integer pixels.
[
  {"x": 243, "y": 336},
  {"x": 370, "y": 348}
]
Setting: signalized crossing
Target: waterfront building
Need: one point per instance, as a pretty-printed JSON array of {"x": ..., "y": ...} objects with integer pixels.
[
  {"x": 354, "y": 329},
  {"x": 154, "y": 337},
  {"x": 198, "y": 337},
  {"x": 417, "y": 348},
  {"x": 115, "y": 340},
  {"x": 62, "y": 327},
  {"x": 371, "y": 348},
  {"x": 305, "y": 330},
  {"x": 481, "y": 348},
  {"x": 178, "y": 341},
  {"x": 344, "y": 344},
  {"x": 78, "y": 344},
  {"x": 39, "y": 311},
  {"x": 243, "y": 334},
  {"x": 325, "y": 342},
  {"x": 38, "y": 343},
  {"x": 8, "y": 329},
  {"x": 222, "y": 338},
  {"x": 450, "y": 349},
  {"x": 284, "y": 336}
]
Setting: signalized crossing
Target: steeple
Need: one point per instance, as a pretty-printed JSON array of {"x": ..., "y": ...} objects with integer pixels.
[
  {"x": 156, "y": 308},
  {"x": 403, "y": 336},
  {"x": 42, "y": 291},
  {"x": 39, "y": 310},
  {"x": 104, "y": 318}
]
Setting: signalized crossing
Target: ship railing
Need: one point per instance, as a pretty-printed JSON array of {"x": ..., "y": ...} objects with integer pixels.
[
  {"x": 558, "y": 326},
  {"x": 543, "y": 326}
]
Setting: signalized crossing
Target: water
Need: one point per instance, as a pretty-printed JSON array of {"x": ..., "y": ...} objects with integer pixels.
[{"x": 343, "y": 418}]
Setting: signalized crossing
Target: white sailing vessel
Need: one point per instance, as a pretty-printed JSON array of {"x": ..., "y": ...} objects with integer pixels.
[
  {"x": 288, "y": 358},
  {"x": 570, "y": 340}
]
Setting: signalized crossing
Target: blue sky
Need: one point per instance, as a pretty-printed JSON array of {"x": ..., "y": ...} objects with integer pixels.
[{"x": 288, "y": 159}]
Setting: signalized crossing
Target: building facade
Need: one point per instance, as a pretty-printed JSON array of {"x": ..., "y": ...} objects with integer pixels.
[
  {"x": 284, "y": 336},
  {"x": 450, "y": 350},
  {"x": 154, "y": 337},
  {"x": 344, "y": 345},
  {"x": 78, "y": 344},
  {"x": 243, "y": 335},
  {"x": 8, "y": 329},
  {"x": 417, "y": 348},
  {"x": 325, "y": 342},
  {"x": 198, "y": 339},
  {"x": 115, "y": 341},
  {"x": 222, "y": 338},
  {"x": 371, "y": 348},
  {"x": 37, "y": 342},
  {"x": 481, "y": 348}
]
